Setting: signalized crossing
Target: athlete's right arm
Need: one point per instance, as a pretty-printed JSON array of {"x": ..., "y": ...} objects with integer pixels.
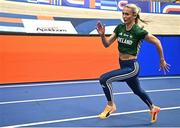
[{"x": 101, "y": 30}]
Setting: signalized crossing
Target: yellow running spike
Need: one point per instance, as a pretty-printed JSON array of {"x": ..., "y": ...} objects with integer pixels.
[{"x": 107, "y": 111}]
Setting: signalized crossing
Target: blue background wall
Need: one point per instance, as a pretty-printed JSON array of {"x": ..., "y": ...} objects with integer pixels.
[{"x": 149, "y": 58}]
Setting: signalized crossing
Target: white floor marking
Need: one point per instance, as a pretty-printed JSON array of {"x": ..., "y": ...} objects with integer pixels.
[
  {"x": 83, "y": 118},
  {"x": 77, "y": 82},
  {"x": 83, "y": 96}
]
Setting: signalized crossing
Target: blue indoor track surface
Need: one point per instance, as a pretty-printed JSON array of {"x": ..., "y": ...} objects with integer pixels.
[{"x": 78, "y": 103}]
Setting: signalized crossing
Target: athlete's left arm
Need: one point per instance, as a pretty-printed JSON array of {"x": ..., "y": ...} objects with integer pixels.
[{"x": 152, "y": 39}]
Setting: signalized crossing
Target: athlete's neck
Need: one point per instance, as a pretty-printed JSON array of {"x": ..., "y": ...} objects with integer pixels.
[{"x": 129, "y": 26}]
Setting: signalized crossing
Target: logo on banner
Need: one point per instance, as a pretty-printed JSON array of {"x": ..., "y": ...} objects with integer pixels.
[
  {"x": 48, "y": 26},
  {"x": 51, "y": 29}
]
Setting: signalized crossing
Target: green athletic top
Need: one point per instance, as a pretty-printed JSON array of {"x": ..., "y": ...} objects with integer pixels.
[{"x": 129, "y": 41}]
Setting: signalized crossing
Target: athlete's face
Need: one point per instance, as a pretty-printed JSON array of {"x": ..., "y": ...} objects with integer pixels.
[{"x": 128, "y": 15}]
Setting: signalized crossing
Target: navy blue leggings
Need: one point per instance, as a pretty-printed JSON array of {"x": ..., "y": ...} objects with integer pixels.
[{"x": 128, "y": 73}]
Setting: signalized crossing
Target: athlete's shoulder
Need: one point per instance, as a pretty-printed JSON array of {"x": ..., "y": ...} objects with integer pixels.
[
  {"x": 118, "y": 28},
  {"x": 121, "y": 25},
  {"x": 140, "y": 31},
  {"x": 138, "y": 27}
]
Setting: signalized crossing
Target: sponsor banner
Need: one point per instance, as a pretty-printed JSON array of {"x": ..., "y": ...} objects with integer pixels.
[
  {"x": 11, "y": 29},
  {"x": 60, "y": 25},
  {"x": 109, "y": 30},
  {"x": 48, "y": 26},
  {"x": 86, "y": 26},
  {"x": 147, "y": 6}
]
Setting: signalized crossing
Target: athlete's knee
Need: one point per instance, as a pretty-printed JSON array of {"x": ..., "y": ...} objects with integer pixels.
[{"x": 102, "y": 80}]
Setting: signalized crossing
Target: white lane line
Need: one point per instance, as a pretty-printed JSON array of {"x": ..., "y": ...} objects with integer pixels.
[
  {"x": 83, "y": 96},
  {"x": 76, "y": 82},
  {"x": 46, "y": 84},
  {"x": 84, "y": 117}
]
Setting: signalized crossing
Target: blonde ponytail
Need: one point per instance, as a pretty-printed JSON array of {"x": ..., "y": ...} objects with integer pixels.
[{"x": 136, "y": 11}]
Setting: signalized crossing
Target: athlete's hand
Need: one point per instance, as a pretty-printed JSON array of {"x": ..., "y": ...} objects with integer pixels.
[
  {"x": 164, "y": 66},
  {"x": 100, "y": 28}
]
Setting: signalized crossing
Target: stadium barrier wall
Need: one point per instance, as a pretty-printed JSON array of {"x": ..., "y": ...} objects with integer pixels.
[
  {"x": 39, "y": 58},
  {"x": 54, "y": 57}
]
